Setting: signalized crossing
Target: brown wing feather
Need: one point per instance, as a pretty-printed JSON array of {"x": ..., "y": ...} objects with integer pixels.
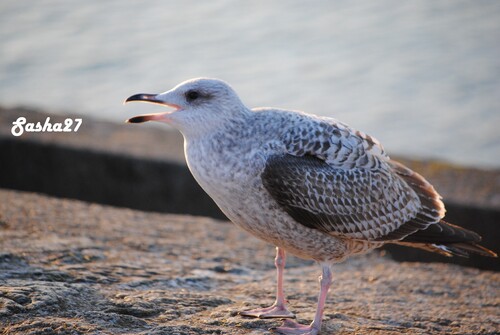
[
  {"x": 357, "y": 203},
  {"x": 431, "y": 208}
]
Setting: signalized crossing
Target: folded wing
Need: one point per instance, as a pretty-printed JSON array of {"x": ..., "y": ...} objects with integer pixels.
[{"x": 359, "y": 203}]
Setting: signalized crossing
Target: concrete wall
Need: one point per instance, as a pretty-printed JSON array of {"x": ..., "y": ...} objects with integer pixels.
[{"x": 93, "y": 170}]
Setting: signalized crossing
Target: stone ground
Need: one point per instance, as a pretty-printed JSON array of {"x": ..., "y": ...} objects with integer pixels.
[{"x": 70, "y": 267}]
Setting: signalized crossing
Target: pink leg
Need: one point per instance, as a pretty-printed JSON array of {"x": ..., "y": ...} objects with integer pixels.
[
  {"x": 290, "y": 327},
  {"x": 278, "y": 309}
]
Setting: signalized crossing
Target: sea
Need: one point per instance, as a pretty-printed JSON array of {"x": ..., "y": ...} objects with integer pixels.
[{"x": 423, "y": 77}]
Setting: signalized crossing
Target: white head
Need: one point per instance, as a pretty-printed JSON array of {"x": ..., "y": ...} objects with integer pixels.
[{"x": 199, "y": 105}]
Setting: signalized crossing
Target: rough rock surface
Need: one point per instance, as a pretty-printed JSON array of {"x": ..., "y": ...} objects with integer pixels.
[{"x": 70, "y": 267}]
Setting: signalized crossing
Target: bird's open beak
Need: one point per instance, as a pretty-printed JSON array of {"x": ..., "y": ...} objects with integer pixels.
[{"x": 153, "y": 99}]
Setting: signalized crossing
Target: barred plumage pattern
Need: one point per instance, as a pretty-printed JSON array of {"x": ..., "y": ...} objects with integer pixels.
[{"x": 312, "y": 185}]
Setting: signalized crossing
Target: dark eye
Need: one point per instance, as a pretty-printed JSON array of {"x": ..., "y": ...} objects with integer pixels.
[{"x": 192, "y": 95}]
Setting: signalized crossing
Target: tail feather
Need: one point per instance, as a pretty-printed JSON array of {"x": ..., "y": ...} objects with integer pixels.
[
  {"x": 463, "y": 249},
  {"x": 427, "y": 230},
  {"x": 448, "y": 239},
  {"x": 443, "y": 233}
]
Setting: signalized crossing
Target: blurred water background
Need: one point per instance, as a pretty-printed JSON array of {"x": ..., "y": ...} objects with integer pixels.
[{"x": 421, "y": 76}]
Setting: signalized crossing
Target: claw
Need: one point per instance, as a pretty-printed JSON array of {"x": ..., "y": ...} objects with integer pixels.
[{"x": 290, "y": 327}]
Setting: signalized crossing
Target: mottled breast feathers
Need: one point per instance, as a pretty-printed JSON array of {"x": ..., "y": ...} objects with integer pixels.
[{"x": 349, "y": 187}]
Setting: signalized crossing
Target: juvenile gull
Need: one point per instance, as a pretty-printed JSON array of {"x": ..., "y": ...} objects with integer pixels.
[{"x": 311, "y": 186}]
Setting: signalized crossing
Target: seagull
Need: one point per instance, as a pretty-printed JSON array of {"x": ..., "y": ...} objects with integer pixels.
[{"x": 312, "y": 186}]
